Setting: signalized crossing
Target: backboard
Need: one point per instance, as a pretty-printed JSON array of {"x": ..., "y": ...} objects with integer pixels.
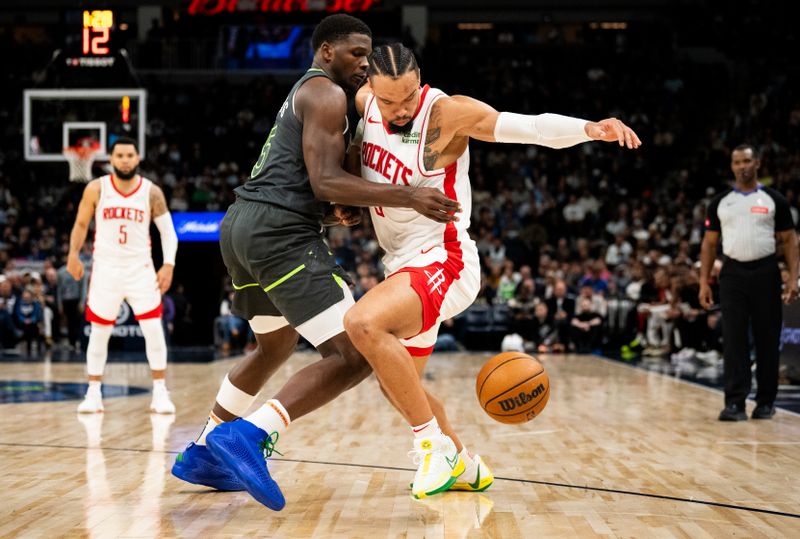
[{"x": 54, "y": 119}]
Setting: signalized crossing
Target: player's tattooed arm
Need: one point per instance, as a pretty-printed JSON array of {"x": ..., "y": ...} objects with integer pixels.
[
  {"x": 432, "y": 137},
  {"x": 433, "y": 143},
  {"x": 158, "y": 202}
]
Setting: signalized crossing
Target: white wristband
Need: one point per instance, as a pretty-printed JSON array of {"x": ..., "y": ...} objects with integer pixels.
[
  {"x": 169, "y": 239},
  {"x": 551, "y": 130}
]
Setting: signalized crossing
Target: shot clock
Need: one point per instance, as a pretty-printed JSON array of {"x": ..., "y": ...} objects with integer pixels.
[
  {"x": 97, "y": 27},
  {"x": 95, "y": 36}
]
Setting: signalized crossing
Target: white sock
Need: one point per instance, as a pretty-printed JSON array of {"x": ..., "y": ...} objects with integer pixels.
[
  {"x": 470, "y": 466},
  {"x": 211, "y": 423},
  {"x": 431, "y": 428},
  {"x": 94, "y": 387},
  {"x": 159, "y": 384},
  {"x": 272, "y": 417}
]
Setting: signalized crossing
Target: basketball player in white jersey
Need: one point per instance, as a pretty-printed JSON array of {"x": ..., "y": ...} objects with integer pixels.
[
  {"x": 418, "y": 136},
  {"x": 123, "y": 204}
]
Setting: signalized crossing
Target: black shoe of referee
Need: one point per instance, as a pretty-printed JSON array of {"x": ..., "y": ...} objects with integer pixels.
[
  {"x": 733, "y": 412},
  {"x": 764, "y": 411}
]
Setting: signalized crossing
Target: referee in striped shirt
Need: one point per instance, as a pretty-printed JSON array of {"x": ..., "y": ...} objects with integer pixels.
[{"x": 749, "y": 218}]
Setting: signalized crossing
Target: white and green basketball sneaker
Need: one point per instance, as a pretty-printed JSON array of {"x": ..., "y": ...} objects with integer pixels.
[{"x": 439, "y": 465}]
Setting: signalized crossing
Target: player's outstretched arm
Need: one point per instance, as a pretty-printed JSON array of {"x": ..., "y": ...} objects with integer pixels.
[
  {"x": 86, "y": 208},
  {"x": 321, "y": 107},
  {"x": 475, "y": 119},
  {"x": 169, "y": 239}
]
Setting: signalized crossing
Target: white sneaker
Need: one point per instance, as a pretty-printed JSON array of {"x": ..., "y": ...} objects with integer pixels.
[
  {"x": 439, "y": 465},
  {"x": 161, "y": 403},
  {"x": 92, "y": 403}
]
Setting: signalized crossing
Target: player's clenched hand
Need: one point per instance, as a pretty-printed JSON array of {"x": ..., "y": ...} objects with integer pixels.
[
  {"x": 434, "y": 204},
  {"x": 610, "y": 130},
  {"x": 164, "y": 277},
  {"x": 75, "y": 267},
  {"x": 347, "y": 215}
]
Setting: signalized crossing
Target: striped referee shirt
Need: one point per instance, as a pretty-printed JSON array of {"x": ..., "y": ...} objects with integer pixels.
[{"x": 748, "y": 221}]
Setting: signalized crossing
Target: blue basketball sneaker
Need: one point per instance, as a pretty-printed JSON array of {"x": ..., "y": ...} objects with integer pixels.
[
  {"x": 198, "y": 466},
  {"x": 244, "y": 448}
]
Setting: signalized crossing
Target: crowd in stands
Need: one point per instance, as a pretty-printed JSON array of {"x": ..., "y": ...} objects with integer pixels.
[{"x": 587, "y": 249}]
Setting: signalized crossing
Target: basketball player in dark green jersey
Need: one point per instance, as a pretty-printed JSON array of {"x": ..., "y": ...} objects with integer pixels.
[{"x": 286, "y": 280}]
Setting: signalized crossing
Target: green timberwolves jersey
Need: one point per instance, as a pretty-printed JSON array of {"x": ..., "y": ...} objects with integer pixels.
[{"x": 279, "y": 177}]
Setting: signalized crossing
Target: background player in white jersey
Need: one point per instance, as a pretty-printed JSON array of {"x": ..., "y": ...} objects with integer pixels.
[
  {"x": 419, "y": 137},
  {"x": 122, "y": 205}
]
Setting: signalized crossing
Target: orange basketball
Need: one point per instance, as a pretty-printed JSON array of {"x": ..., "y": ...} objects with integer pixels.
[{"x": 513, "y": 387}]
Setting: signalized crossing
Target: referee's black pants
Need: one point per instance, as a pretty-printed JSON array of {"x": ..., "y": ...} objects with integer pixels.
[{"x": 750, "y": 296}]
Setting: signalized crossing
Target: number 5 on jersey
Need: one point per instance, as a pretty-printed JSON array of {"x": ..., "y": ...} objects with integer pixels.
[
  {"x": 262, "y": 159},
  {"x": 123, "y": 234}
]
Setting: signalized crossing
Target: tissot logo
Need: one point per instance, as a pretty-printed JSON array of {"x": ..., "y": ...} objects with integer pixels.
[{"x": 520, "y": 400}]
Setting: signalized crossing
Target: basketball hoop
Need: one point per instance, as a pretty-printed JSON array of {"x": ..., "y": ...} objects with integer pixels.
[{"x": 80, "y": 158}]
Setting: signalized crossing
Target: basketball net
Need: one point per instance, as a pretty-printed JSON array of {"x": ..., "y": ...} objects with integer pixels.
[{"x": 80, "y": 158}]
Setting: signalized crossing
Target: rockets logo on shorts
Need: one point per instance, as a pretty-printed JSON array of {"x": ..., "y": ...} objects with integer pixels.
[{"x": 435, "y": 280}]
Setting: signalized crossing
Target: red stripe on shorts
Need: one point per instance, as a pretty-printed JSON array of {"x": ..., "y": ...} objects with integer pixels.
[
  {"x": 419, "y": 352},
  {"x": 155, "y": 313},
  {"x": 92, "y": 317},
  {"x": 432, "y": 282}
]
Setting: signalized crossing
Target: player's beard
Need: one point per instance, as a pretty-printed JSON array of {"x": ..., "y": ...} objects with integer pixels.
[
  {"x": 125, "y": 175},
  {"x": 400, "y": 129}
]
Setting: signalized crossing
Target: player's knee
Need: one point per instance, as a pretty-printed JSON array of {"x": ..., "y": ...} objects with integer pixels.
[
  {"x": 359, "y": 327},
  {"x": 275, "y": 346}
]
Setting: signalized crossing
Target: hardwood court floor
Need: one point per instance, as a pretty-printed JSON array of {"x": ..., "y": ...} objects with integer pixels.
[{"x": 618, "y": 452}]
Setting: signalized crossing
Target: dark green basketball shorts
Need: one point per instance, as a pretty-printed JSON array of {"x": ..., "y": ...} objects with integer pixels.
[{"x": 279, "y": 263}]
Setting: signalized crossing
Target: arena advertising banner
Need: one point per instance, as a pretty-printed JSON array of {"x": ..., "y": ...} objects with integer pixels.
[
  {"x": 790, "y": 341},
  {"x": 197, "y": 226},
  {"x": 215, "y": 7}
]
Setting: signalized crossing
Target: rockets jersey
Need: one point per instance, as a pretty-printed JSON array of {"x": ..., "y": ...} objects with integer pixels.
[
  {"x": 122, "y": 224},
  {"x": 396, "y": 159}
]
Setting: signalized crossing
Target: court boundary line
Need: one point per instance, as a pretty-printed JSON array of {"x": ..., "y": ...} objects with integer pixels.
[
  {"x": 681, "y": 380},
  {"x": 401, "y": 469}
]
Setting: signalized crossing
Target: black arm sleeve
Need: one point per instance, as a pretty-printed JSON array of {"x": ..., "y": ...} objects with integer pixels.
[
  {"x": 783, "y": 216},
  {"x": 712, "y": 216}
]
